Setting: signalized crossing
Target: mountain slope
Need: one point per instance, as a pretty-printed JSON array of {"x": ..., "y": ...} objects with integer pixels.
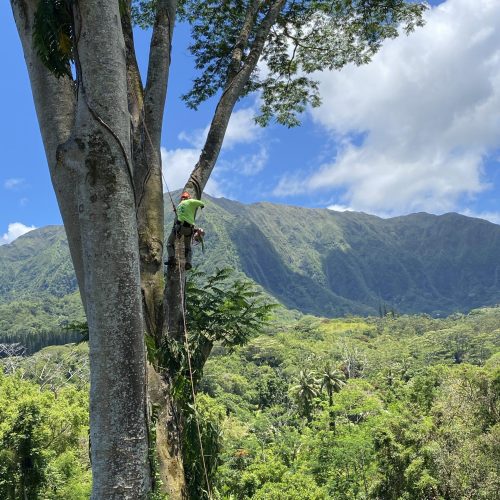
[
  {"x": 330, "y": 263},
  {"x": 315, "y": 260}
]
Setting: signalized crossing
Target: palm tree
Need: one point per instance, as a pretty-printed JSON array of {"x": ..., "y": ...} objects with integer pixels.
[
  {"x": 306, "y": 390},
  {"x": 332, "y": 382}
]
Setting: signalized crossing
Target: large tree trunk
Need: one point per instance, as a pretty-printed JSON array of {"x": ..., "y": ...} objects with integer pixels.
[
  {"x": 99, "y": 153},
  {"x": 88, "y": 151}
]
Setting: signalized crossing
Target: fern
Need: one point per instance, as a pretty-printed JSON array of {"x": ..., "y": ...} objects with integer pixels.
[{"x": 53, "y": 35}]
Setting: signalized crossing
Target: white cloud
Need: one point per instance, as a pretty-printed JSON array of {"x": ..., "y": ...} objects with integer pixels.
[
  {"x": 491, "y": 216},
  {"x": 290, "y": 185},
  {"x": 339, "y": 208},
  {"x": 426, "y": 109},
  {"x": 177, "y": 167},
  {"x": 15, "y": 230},
  {"x": 250, "y": 164},
  {"x": 241, "y": 129},
  {"x": 13, "y": 183}
]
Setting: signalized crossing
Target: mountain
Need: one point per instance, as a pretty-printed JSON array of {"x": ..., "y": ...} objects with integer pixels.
[{"x": 315, "y": 260}]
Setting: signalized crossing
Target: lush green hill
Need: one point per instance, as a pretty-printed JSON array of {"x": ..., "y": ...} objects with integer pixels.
[
  {"x": 331, "y": 263},
  {"x": 314, "y": 260}
]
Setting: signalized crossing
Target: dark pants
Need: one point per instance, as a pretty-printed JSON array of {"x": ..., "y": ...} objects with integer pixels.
[{"x": 178, "y": 230}]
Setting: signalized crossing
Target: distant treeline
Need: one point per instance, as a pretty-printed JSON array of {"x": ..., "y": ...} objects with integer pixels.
[{"x": 33, "y": 343}]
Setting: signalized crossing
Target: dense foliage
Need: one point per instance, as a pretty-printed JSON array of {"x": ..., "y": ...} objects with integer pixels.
[
  {"x": 43, "y": 441},
  {"x": 306, "y": 38},
  {"x": 412, "y": 410},
  {"x": 399, "y": 407}
]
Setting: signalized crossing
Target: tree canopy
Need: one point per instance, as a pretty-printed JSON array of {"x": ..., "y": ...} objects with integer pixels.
[{"x": 307, "y": 37}]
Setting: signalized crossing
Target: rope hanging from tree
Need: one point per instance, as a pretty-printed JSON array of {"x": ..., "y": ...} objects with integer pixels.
[{"x": 193, "y": 392}]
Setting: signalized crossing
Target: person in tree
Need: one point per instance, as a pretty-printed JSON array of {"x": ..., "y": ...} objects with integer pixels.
[{"x": 183, "y": 226}]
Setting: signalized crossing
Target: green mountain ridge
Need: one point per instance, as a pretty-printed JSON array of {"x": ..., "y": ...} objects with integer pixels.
[{"x": 315, "y": 260}]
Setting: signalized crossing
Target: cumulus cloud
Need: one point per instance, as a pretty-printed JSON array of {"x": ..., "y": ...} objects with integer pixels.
[
  {"x": 177, "y": 167},
  {"x": 15, "y": 230},
  {"x": 415, "y": 125},
  {"x": 13, "y": 183},
  {"x": 241, "y": 129}
]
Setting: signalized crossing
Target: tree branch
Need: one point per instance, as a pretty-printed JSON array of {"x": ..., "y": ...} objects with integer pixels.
[
  {"x": 242, "y": 41},
  {"x": 158, "y": 67},
  {"x": 134, "y": 81},
  {"x": 233, "y": 89},
  {"x": 148, "y": 168}
]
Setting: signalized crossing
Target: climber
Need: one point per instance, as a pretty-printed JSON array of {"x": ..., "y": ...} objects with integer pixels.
[{"x": 183, "y": 226}]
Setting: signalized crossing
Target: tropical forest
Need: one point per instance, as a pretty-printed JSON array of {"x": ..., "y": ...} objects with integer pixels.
[{"x": 250, "y": 250}]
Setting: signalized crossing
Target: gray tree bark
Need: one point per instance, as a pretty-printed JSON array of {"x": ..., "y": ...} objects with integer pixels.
[
  {"x": 88, "y": 151},
  {"x": 99, "y": 153}
]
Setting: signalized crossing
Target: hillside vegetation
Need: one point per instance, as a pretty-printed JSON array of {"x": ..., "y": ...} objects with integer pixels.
[
  {"x": 314, "y": 260},
  {"x": 401, "y": 407}
]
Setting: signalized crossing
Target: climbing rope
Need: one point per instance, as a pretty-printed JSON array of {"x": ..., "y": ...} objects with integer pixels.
[
  {"x": 186, "y": 340},
  {"x": 193, "y": 392}
]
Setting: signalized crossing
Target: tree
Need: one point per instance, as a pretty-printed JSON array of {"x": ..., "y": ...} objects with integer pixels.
[
  {"x": 41, "y": 439},
  {"x": 306, "y": 390},
  {"x": 101, "y": 128},
  {"x": 224, "y": 309},
  {"x": 332, "y": 382}
]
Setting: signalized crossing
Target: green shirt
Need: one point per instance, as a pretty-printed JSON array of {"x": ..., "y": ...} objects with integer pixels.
[{"x": 186, "y": 210}]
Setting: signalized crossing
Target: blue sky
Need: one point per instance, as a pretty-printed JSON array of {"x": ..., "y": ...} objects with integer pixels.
[{"x": 416, "y": 130}]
